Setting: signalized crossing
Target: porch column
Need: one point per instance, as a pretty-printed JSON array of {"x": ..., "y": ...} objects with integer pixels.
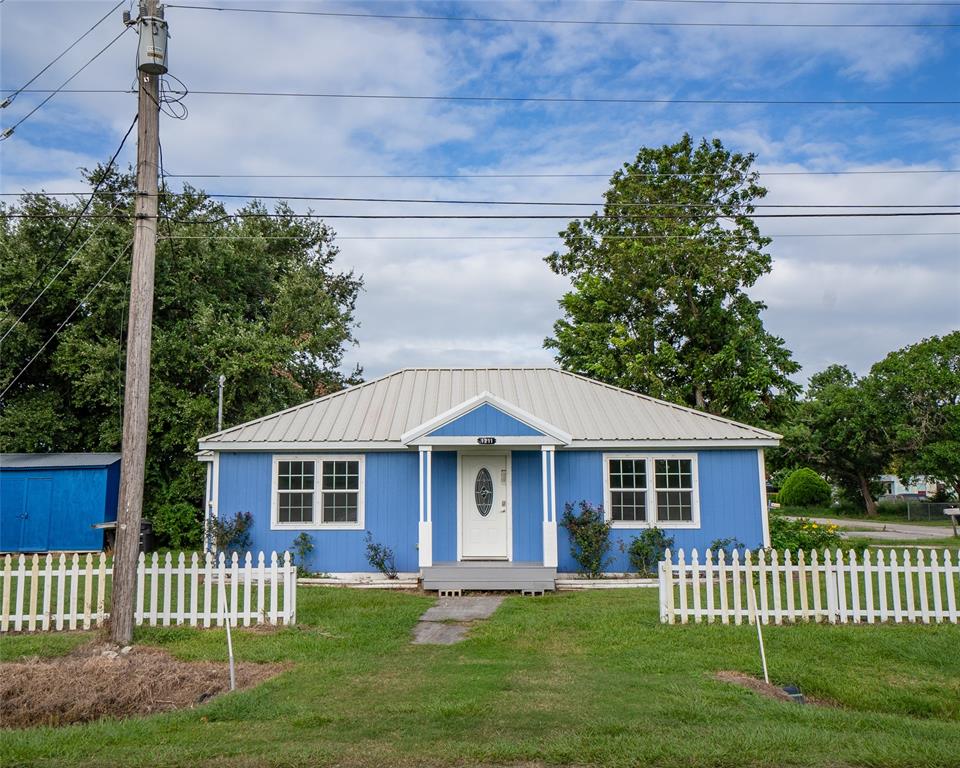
[
  {"x": 425, "y": 528},
  {"x": 548, "y": 471}
]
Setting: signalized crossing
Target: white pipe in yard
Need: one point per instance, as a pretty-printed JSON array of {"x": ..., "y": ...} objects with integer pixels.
[
  {"x": 226, "y": 618},
  {"x": 756, "y": 620}
]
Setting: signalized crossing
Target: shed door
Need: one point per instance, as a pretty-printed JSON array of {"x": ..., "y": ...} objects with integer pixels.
[{"x": 35, "y": 529}]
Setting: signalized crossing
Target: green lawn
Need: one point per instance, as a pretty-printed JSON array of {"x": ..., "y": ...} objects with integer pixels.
[
  {"x": 944, "y": 542},
  {"x": 586, "y": 678},
  {"x": 882, "y": 516}
]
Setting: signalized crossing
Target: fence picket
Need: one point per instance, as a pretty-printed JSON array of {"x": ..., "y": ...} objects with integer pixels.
[
  {"x": 775, "y": 574},
  {"x": 235, "y": 588},
  {"x": 207, "y": 587},
  {"x": 181, "y": 580},
  {"x": 167, "y": 576},
  {"x": 951, "y": 594},
  {"x": 34, "y": 588},
  {"x": 194, "y": 586},
  {"x": 101, "y": 589},
  {"x": 737, "y": 613},
  {"x": 762, "y": 571},
  {"x": 922, "y": 586},
  {"x": 854, "y": 588},
  {"x": 695, "y": 580},
  {"x": 882, "y": 587},
  {"x": 802, "y": 585},
  {"x": 708, "y": 568},
  {"x": 938, "y": 613},
  {"x": 61, "y": 588},
  {"x": 274, "y": 616},
  {"x": 47, "y": 592},
  {"x": 682, "y": 583},
  {"x": 868, "y": 585},
  {"x": 247, "y": 576},
  {"x": 788, "y": 573},
  {"x": 722, "y": 578},
  {"x": 290, "y": 590},
  {"x": 908, "y": 584},
  {"x": 261, "y": 606},
  {"x": 5, "y": 608},
  {"x": 18, "y": 605},
  {"x": 87, "y": 591},
  {"x": 895, "y": 586},
  {"x": 815, "y": 588},
  {"x": 841, "y": 592}
]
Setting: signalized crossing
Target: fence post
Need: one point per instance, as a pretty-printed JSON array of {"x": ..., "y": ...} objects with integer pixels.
[
  {"x": 708, "y": 568},
  {"x": 895, "y": 586},
  {"x": 935, "y": 579},
  {"x": 949, "y": 569},
  {"x": 831, "y": 583},
  {"x": 737, "y": 602},
  {"x": 854, "y": 588},
  {"x": 909, "y": 607},
  {"x": 682, "y": 583},
  {"x": 695, "y": 584},
  {"x": 34, "y": 587},
  {"x": 247, "y": 576},
  {"x": 274, "y": 588}
]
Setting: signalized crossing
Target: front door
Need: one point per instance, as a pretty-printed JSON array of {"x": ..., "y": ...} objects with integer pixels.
[{"x": 484, "y": 507}]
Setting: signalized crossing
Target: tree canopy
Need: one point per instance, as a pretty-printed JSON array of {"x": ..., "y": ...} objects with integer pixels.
[
  {"x": 659, "y": 302},
  {"x": 257, "y": 299}
]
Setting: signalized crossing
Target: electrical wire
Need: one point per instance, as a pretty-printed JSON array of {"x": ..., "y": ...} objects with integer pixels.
[
  {"x": 546, "y": 99},
  {"x": 54, "y": 278},
  {"x": 69, "y": 317},
  {"x": 532, "y": 175},
  {"x": 6, "y": 102},
  {"x": 569, "y": 22},
  {"x": 8, "y": 132},
  {"x": 814, "y": 3},
  {"x": 218, "y": 236},
  {"x": 442, "y": 201},
  {"x": 42, "y": 270}
]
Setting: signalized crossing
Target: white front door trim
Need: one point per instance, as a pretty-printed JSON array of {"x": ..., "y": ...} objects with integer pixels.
[{"x": 508, "y": 456}]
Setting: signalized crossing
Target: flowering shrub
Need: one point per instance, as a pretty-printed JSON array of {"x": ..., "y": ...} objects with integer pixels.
[
  {"x": 802, "y": 534},
  {"x": 589, "y": 537}
]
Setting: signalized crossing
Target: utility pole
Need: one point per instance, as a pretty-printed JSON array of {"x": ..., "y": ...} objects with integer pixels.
[{"x": 151, "y": 63}]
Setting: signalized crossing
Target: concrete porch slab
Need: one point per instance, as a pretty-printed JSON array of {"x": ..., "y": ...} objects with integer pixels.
[{"x": 462, "y": 608}]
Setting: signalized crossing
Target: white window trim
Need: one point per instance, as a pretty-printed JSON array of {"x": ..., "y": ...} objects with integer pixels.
[
  {"x": 651, "y": 491},
  {"x": 317, "y": 524}
]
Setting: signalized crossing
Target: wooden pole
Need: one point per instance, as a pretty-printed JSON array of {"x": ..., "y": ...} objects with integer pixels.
[{"x": 137, "y": 392}]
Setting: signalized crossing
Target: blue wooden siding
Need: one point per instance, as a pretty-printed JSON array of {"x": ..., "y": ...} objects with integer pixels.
[
  {"x": 56, "y": 508},
  {"x": 485, "y": 420},
  {"x": 391, "y": 506},
  {"x": 527, "y": 506},
  {"x": 444, "y": 512},
  {"x": 729, "y": 501}
]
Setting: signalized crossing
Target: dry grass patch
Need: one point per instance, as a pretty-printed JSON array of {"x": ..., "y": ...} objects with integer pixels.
[{"x": 97, "y": 681}]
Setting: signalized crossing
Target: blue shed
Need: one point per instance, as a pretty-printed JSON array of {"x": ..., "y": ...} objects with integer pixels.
[
  {"x": 52, "y": 501},
  {"x": 465, "y": 474}
]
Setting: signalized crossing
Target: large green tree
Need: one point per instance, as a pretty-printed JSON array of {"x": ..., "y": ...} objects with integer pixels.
[
  {"x": 918, "y": 394},
  {"x": 256, "y": 298},
  {"x": 659, "y": 302}
]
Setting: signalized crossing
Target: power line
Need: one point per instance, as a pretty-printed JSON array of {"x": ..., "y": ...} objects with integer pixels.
[
  {"x": 7, "y": 133},
  {"x": 498, "y": 216},
  {"x": 541, "y": 99},
  {"x": 54, "y": 278},
  {"x": 76, "y": 223},
  {"x": 570, "y": 22},
  {"x": 814, "y": 3},
  {"x": 67, "y": 320},
  {"x": 217, "y": 236},
  {"x": 532, "y": 175},
  {"x": 67, "y": 50},
  {"x": 443, "y": 201}
]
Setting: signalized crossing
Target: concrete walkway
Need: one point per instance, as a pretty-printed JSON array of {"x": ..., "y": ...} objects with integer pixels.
[
  {"x": 447, "y": 622},
  {"x": 880, "y": 529}
]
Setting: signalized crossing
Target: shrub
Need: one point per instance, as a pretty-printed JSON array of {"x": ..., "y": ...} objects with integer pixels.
[
  {"x": 179, "y": 524},
  {"x": 302, "y": 547},
  {"x": 804, "y": 488},
  {"x": 802, "y": 534},
  {"x": 380, "y": 556},
  {"x": 589, "y": 537},
  {"x": 728, "y": 546},
  {"x": 646, "y": 550},
  {"x": 230, "y": 533}
]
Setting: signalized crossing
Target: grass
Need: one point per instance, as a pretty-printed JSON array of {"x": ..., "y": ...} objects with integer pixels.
[
  {"x": 587, "y": 678},
  {"x": 944, "y": 542},
  {"x": 882, "y": 516}
]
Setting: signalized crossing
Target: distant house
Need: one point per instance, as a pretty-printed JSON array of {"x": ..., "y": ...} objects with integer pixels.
[
  {"x": 464, "y": 473},
  {"x": 52, "y": 501},
  {"x": 922, "y": 487}
]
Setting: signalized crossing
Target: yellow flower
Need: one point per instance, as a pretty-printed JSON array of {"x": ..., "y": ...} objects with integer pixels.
[{"x": 814, "y": 525}]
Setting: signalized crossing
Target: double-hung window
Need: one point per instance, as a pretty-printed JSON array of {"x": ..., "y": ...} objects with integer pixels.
[
  {"x": 656, "y": 490},
  {"x": 318, "y": 492}
]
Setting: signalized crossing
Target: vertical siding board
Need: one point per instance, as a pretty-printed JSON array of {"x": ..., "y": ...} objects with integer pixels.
[{"x": 527, "y": 506}]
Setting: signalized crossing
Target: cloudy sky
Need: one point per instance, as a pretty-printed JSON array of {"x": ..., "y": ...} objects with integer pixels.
[{"x": 478, "y": 292}]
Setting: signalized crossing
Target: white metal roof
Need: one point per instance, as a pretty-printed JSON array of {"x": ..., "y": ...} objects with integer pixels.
[{"x": 378, "y": 412}]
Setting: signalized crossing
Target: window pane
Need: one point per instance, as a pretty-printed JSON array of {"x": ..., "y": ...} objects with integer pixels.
[
  {"x": 628, "y": 505},
  {"x": 341, "y": 475},
  {"x": 340, "y": 507},
  {"x": 295, "y": 508},
  {"x": 628, "y": 473},
  {"x": 675, "y": 506},
  {"x": 674, "y": 473},
  {"x": 295, "y": 475}
]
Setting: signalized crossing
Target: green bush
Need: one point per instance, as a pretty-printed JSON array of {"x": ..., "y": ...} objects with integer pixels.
[
  {"x": 804, "y": 488},
  {"x": 646, "y": 550},
  {"x": 302, "y": 547},
  {"x": 178, "y": 525},
  {"x": 381, "y": 557},
  {"x": 589, "y": 537},
  {"x": 230, "y": 533},
  {"x": 802, "y": 534}
]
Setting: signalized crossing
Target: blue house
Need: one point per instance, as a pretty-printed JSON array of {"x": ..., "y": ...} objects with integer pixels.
[
  {"x": 52, "y": 501},
  {"x": 465, "y": 473}
]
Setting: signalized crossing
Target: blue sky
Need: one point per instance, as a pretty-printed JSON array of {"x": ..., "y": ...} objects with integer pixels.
[{"x": 487, "y": 302}]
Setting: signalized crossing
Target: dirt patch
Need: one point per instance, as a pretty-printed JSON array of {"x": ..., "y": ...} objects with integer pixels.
[
  {"x": 753, "y": 684},
  {"x": 98, "y": 681}
]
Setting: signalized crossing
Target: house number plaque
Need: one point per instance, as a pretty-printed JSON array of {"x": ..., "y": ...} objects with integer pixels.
[{"x": 486, "y": 441}]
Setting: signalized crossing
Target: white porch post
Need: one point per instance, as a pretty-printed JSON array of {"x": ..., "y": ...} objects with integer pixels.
[
  {"x": 425, "y": 529},
  {"x": 548, "y": 469}
]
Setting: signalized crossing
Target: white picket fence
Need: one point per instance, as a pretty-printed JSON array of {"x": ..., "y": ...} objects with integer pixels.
[
  {"x": 801, "y": 587},
  {"x": 59, "y": 592}
]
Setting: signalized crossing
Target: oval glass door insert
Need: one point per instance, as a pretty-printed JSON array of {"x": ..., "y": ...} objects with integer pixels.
[{"x": 483, "y": 492}]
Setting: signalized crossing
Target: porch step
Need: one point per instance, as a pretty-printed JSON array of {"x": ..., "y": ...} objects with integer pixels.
[{"x": 496, "y": 576}]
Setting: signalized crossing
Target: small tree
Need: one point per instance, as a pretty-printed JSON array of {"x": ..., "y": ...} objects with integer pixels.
[
  {"x": 589, "y": 537},
  {"x": 381, "y": 557},
  {"x": 302, "y": 547},
  {"x": 804, "y": 488},
  {"x": 230, "y": 533}
]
